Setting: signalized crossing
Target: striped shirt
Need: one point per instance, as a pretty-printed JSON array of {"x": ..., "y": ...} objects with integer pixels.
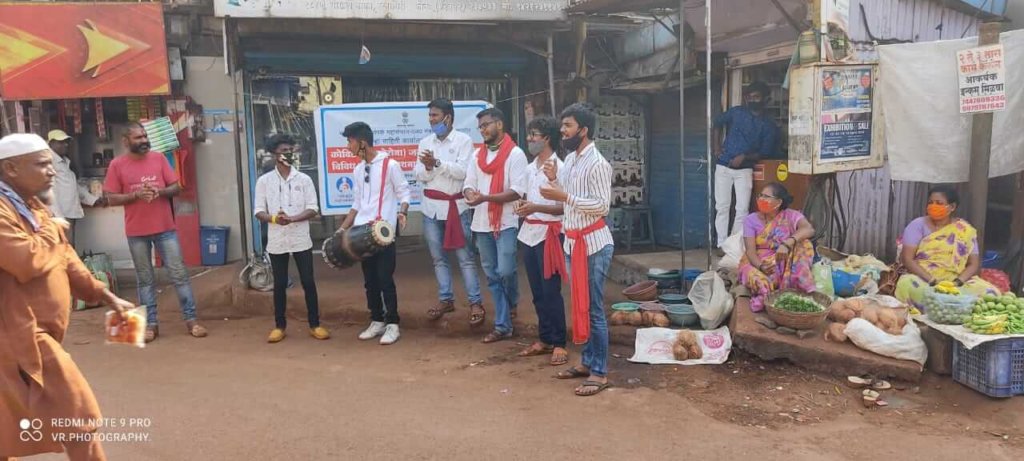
[{"x": 587, "y": 178}]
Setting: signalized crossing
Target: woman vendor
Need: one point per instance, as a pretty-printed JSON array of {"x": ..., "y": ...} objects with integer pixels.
[
  {"x": 777, "y": 250},
  {"x": 939, "y": 247}
]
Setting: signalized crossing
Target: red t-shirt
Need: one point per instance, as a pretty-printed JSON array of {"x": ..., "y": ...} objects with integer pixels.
[{"x": 126, "y": 174}]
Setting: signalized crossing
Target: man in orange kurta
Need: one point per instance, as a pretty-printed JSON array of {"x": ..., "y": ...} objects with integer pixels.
[{"x": 39, "y": 272}]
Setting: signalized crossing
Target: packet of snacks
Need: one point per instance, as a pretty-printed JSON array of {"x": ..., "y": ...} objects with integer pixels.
[{"x": 129, "y": 328}]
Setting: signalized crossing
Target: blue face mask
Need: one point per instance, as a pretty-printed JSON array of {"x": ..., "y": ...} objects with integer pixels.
[{"x": 440, "y": 129}]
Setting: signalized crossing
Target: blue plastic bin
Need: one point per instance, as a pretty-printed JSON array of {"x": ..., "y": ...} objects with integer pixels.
[
  {"x": 214, "y": 245},
  {"x": 995, "y": 368},
  {"x": 845, "y": 283},
  {"x": 992, "y": 260}
]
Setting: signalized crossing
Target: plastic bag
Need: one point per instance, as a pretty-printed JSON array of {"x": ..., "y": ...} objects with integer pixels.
[
  {"x": 907, "y": 346},
  {"x": 257, "y": 275},
  {"x": 129, "y": 328},
  {"x": 711, "y": 300},
  {"x": 654, "y": 346},
  {"x": 948, "y": 309},
  {"x": 733, "y": 248},
  {"x": 822, "y": 271}
]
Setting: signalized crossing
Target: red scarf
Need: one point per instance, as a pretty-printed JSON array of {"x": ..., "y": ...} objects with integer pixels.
[
  {"x": 554, "y": 257},
  {"x": 496, "y": 170},
  {"x": 454, "y": 238},
  {"x": 580, "y": 284}
]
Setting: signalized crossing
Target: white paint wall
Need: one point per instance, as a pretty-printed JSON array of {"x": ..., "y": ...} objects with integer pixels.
[{"x": 216, "y": 159}]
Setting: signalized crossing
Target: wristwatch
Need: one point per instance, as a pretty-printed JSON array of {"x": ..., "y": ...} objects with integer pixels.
[{"x": 437, "y": 163}]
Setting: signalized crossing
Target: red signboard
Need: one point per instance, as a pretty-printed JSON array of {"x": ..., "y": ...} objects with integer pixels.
[{"x": 82, "y": 50}]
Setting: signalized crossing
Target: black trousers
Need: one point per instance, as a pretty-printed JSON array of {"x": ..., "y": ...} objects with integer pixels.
[
  {"x": 381, "y": 293},
  {"x": 304, "y": 262},
  {"x": 547, "y": 296}
]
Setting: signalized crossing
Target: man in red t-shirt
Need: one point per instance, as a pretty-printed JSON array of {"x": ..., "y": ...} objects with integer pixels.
[{"x": 143, "y": 182}]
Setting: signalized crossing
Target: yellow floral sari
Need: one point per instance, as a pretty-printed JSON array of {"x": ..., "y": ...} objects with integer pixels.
[{"x": 944, "y": 255}]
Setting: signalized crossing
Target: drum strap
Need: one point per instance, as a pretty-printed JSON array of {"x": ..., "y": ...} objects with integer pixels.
[{"x": 383, "y": 184}]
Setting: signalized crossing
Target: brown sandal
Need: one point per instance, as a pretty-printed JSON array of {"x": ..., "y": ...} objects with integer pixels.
[
  {"x": 572, "y": 373},
  {"x": 196, "y": 330},
  {"x": 496, "y": 336},
  {"x": 442, "y": 307},
  {"x": 559, "y": 356},
  {"x": 477, "y": 314},
  {"x": 535, "y": 349},
  {"x": 597, "y": 387}
]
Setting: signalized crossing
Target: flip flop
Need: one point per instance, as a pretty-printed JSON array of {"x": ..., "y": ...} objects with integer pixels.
[
  {"x": 536, "y": 349},
  {"x": 881, "y": 385},
  {"x": 496, "y": 336},
  {"x": 572, "y": 373},
  {"x": 588, "y": 383},
  {"x": 559, "y": 357},
  {"x": 858, "y": 382},
  {"x": 477, "y": 314}
]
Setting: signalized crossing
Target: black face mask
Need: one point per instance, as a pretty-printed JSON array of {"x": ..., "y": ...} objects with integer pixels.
[
  {"x": 755, "y": 105},
  {"x": 573, "y": 143}
]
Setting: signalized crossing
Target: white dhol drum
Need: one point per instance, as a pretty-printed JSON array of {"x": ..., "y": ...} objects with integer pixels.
[{"x": 345, "y": 248}]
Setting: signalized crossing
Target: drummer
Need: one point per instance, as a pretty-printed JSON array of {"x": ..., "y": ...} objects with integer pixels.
[{"x": 380, "y": 186}]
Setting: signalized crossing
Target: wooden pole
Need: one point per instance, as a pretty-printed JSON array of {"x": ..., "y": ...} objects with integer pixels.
[
  {"x": 681, "y": 39},
  {"x": 981, "y": 149},
  {"x": 581, "y": 58},
  {"x": 1017, "y": 233}
]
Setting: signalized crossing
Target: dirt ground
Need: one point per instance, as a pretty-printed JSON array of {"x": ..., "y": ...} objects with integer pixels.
[{"x": 440, "y": 394}]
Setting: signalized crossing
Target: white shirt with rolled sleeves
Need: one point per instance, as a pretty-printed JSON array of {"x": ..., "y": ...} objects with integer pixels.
[
  {"x": 515, "y": 174},
  {"x": 69, "y": 196},
  {"x": 533, "y": 234},
  {"x": 587, "y": 179},
  {"x": 367, "y": 193},
  {"x": 455, "y": 152},
  {"x": 293, "y": 195}
]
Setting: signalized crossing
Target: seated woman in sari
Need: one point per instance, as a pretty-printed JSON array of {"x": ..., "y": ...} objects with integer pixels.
[
  {"x": 778, "y": 253},
  {"x": 938, "y": 248}
]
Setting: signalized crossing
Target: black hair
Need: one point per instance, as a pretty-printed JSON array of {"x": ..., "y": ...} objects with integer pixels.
[
  {"x": 131, "y": 126},
  {"x": 952, "y": 196},
  {"x": 781, "y": 193},
  {"x": 275, "y": 141},
  {"x": 360, "y": 131},
  {"x": 584, "y": 115},
  {"x": 492, "y": 112},
  {"x": 758, "y": 87},
  {"x": 444, "y": 105},
  {"x": 548, "y": 126}
]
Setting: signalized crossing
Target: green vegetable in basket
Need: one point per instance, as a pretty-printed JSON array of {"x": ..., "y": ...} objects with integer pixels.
[{"x": 795, "y": 303}]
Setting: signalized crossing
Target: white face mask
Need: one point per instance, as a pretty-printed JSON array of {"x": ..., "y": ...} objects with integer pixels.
[{"x": 536, "y": 147}]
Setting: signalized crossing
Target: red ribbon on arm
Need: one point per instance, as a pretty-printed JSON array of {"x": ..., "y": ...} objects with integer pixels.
[
  {"x": 580, "y": 284},
  {"x": 454, "y": 238}
]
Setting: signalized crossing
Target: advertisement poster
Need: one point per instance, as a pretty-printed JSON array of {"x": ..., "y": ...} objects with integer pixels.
[
  {"x": 82, "y": 50},
  {"x": 397, "y": 127},
  {"x": 982, "y": 79},
  {"x": 846, "y": 113}
]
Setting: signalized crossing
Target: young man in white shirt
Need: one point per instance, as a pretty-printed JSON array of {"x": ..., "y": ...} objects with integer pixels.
[
  {"x": 444, "y": 156},
  {"x": 68, "y": 195},
  {"x": 286, "y": 200},
  {"x": 584, "y": 186},
  {"x": 380, "y": 186},
  {"x": 494, "y": 183},
  {"x": 541, "y": 238}
]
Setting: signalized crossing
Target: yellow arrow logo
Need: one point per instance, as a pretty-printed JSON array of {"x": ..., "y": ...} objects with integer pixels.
[{"x": 102, "y": 48}]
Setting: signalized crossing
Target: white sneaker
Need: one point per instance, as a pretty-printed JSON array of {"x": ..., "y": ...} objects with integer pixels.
[
  {"x": 374, "y": 330},
  {"x": 390, "y": 334}
]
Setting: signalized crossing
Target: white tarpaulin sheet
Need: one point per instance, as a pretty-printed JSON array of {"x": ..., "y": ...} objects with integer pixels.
[
  {"x": 968, "y": 338},
  {"x": 927, "y": 138}
]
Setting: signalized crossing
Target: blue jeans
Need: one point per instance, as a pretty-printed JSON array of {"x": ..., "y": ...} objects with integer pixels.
[
  {"x": 498, "y": 257},
  {"x": 595, "y": 353},
  {"x": 433, "y": 230},
  {"x": 170, "y": 253},
  {"x": 547, "y": 296}
]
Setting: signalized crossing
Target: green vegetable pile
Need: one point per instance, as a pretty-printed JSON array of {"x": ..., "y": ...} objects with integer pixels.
[
  {"x": 795, "y": 303},
  {"x": 995, "y": 315}
]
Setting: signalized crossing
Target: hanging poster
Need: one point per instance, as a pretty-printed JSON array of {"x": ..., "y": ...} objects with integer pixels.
[
  {"x": 982, "y": 79},
  {"x": 846, "y": 95},
  {"x": 397, "y": 127}
]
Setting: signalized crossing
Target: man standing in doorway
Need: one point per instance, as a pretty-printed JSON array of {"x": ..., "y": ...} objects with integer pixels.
[
  {"x": 143, "y": 182},
  {"x": 286, "y": 201},
  {"x": 751, "y": 136},
  {"x": 444, "y": 156},
  {"x": 584, "y": 187},
  {"x": 495, "y": 182},
  {"x": 379, "y": 189},
  {"x": 68, "y": 195}
]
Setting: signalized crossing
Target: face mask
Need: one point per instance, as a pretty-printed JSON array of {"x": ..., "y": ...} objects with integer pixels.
[
  {"x": 289, "y": 159},
  {"x": 573, "y": 143},
  {"x": 536, "y": 147},
  {"x": 755, "y": 105},
  {"x": 765, "y": 206},
  {"x": 938, "y": 212},
  {"x": 439, "y": 129}
]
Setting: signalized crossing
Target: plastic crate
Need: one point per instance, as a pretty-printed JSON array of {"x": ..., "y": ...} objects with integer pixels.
[{"x": 995, "y": 368}]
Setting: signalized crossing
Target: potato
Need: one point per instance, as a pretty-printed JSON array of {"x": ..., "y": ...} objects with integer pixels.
[
  {"x": 844, "y": 316},
  {"x": 835, "y": 332},
  {"x": 838, "y": 306},
  {"x": 694, "y": 351},
  {"x": 680, "y": 352},
  {"x": 686, "y": 337},
  {"x": 661, "y": 320}
]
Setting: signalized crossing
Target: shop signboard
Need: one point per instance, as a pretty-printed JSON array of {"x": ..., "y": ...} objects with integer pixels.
[
  {"x": 982, "y": 78},
  {"x": 397, "y": 127},
  {"x": 408, "y": 10},
  {"x": 846, "y": 113},
  {"x": 82, "y": 50}
]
